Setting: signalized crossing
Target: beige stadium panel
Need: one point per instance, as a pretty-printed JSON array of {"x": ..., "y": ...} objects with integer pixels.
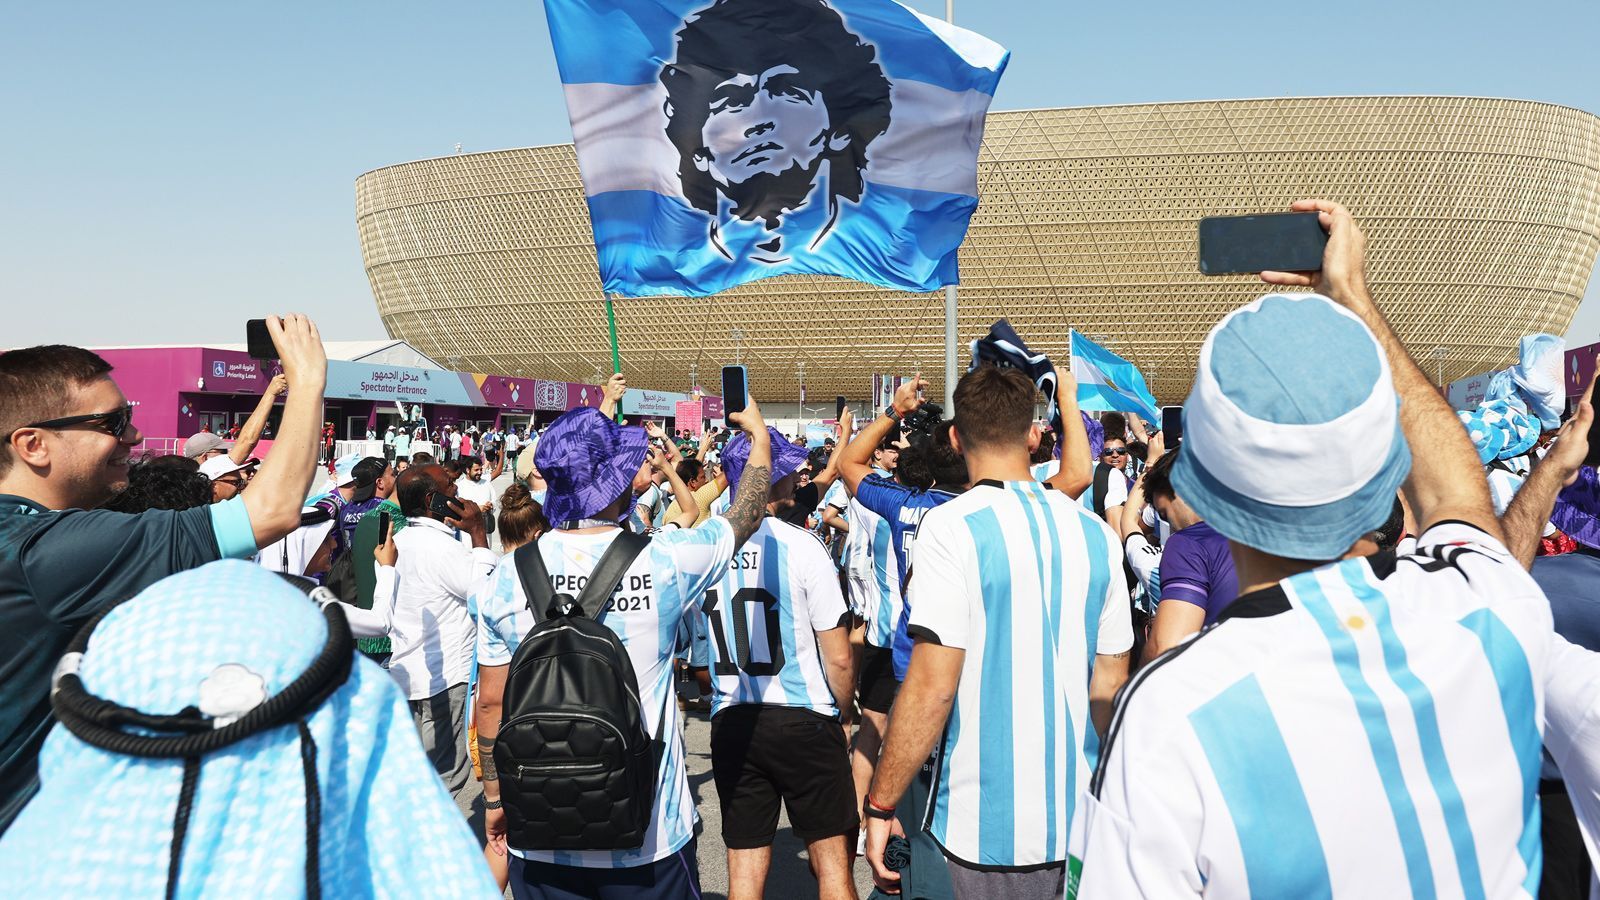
[{"x": 1483, "y": 219}]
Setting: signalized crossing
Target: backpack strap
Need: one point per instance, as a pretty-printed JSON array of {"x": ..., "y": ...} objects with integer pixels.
[
  {"x": 1102, "y": 481},
  {"x": 535, "y": 579},
  {"x": 608, "y": 573},
  {"x": 602, "y": 582}
]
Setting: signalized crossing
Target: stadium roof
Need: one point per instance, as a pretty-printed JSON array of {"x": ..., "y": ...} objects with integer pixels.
[{"x": 1483, "y": 218}]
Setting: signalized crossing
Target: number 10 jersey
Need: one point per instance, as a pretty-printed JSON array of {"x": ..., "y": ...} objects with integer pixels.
[{"x": 757, "y": 627}]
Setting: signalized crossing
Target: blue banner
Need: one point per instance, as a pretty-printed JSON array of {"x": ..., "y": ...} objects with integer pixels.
[{"x": 724, "y": 141}]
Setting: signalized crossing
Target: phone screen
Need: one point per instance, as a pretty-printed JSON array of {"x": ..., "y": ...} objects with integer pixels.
[
  {"x": 735, "y": 388},
  {"x": 383, "y": 527},
  {"x": 1278, "y": 242},
  {"x": 1172, "y": 425},
  {"x": 839, "y": 403},
  {"x": 259, "y": 340}
]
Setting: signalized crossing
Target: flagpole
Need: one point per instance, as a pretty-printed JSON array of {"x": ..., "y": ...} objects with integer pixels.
[
  {"x": 950, "y": 299},
  {"x": 616, "y": 355}
]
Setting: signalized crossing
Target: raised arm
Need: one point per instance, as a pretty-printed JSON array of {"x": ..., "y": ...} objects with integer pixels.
[
  {"x": 1446, "y": 481},
  {"x": 855, "y": 463},
  {"x": 612, "y": 392},
  {"x": 276, "y": 495},
  {"x": 755, "y": 482},
  {"x": 1076, "y": 471},
  {"x": 250, "y": 431},
  {"x": 824, "y": 479},
  {"x": 668, "y": 445},
  {"x": 688, "y": 506},
  {"x": 1530, "y": 509}
]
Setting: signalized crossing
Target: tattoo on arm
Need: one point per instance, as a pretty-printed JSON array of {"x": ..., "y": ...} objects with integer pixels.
[{"x": 750, "y": 503}]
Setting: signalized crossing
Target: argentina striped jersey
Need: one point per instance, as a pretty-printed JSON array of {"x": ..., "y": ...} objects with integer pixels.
[
  {"x": 660, "y": 589},
  {"x": 1029, "y": 584},
  {"x": 758, "y": 626},
  {"x": 1370, "y": 728},
  {"x": 871, "y": 573}
]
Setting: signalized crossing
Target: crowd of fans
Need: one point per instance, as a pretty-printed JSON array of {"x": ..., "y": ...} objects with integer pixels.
[{"x": 1297, "y": 653}]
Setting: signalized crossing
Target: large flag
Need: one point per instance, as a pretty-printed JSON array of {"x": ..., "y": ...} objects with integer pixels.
[
  {"x": 1107, "y": 381},
  {"x": 722, "y": 141}
]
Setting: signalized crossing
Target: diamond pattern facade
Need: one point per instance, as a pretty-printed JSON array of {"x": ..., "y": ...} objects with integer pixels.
[{"x": 1483, "y": 220}]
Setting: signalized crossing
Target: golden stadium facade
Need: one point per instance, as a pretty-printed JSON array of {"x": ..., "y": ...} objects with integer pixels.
[{"x": 1483, "y": 220}]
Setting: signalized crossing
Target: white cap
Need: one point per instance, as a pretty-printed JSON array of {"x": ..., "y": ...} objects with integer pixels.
[{"x": 218, "y": 466}]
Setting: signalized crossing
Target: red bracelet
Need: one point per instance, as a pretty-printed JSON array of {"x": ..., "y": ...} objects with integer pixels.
[{"x": 878, "y": 806}]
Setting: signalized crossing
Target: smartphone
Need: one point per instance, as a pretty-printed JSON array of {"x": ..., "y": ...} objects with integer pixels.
[
  {"x": 1277, "y": 242},
  {"x": 735, "y": 388},
  {"x": 839, "y": 403},
  {"x": 1172, "y": 426},
  {"x": 383, "y": 527},
  {"x": 443, "y": 507},
  {"x": 259, "y": 340}
]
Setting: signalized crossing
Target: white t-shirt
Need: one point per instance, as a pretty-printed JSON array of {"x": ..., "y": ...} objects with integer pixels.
[
  {"x": 758, "y": 626},
  {"x": 661, "y": 589},
  {"x": 1348, "y": 732},
  {"x": 480, "y": 492},
  {"x": 1116, "y": 492},
  {"x": 1030, "y": 586},
  {"x": 432, "y": 633}
]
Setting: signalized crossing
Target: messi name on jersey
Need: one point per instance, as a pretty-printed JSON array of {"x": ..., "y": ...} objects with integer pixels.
[{"x": 727, "y": 141}]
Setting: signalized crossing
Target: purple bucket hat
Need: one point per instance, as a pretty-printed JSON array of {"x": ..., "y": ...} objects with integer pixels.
[
  {"x": 588, "y": 461},
  {"x": 786, "y": 457}
]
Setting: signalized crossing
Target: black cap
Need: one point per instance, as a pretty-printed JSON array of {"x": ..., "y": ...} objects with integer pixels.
[{"x": 366, "y": 474}]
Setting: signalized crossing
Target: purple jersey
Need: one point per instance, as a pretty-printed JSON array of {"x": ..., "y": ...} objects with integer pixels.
[{"x": 1197, "y": 568}]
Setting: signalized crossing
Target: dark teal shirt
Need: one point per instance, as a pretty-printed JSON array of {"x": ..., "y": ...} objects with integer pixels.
[{"x": 58, "y": 569}]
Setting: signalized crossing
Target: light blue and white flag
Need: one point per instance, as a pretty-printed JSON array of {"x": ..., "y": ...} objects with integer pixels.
[
  {"x": 722, "y": 141},
  {"x": 1107, "y": 381}
]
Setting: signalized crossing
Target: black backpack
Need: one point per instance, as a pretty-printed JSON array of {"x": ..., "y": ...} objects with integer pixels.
[{"x": 577, "y": 767}]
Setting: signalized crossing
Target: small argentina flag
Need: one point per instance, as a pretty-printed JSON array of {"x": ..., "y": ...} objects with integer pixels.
[
  {"x": 722, "y": 141},
  {"x": 1107, "y": 381}
]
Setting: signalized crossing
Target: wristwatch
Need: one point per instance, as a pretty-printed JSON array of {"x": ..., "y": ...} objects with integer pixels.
[
  {"x": 491, "y": 804},
  {"x": 892, "y": 413},
  {"x": 874, "y": 811}
]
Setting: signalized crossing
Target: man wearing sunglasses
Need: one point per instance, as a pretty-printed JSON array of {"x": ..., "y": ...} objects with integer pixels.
[
  {"x": 66, "y": 431},
  {"x": 1108, "y": 492}
]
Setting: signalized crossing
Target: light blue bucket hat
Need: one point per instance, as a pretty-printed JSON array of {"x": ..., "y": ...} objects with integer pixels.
[{"x": 1292, "y": 441}]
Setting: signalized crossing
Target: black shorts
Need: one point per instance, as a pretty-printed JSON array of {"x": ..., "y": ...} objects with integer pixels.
[
  {"x": 761, "y": 754},
  {"x": 876, "y": 687}
]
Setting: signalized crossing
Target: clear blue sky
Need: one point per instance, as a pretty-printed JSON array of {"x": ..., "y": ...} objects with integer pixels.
[{"x": 175, "y": 168}]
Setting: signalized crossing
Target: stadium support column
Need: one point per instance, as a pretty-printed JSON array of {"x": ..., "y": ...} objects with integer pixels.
[{"x": 950, "y": 299}]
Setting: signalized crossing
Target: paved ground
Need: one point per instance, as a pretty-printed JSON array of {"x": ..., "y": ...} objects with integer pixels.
[{"x": 791, "y": 873}]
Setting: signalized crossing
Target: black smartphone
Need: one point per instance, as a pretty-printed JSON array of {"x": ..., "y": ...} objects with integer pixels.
[
  {"x": 735, "y": 388},
  {"x": 383, "y": 527},
  {"x": 444, "y": 507},
  {"x": 839, "y": 403},
  {"x": 1172, "y": 426},
  {"x": 1277, "y": 242},
  {"x": 259, "y": 340}
]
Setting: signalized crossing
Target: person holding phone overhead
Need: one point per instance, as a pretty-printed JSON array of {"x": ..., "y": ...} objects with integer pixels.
[
  {"x": 67, "y": 432},
  {"x": 432, "y": 633}
]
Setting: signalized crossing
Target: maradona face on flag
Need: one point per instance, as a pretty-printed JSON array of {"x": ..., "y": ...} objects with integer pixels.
[
  {"x": 730, "y": 140},
  {"x": 772, "y": 105}
]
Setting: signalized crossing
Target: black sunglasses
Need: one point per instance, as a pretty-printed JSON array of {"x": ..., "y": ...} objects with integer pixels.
[
  {"x": 1114, "y": 451},
  {"x": 114, "y": 423}
]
